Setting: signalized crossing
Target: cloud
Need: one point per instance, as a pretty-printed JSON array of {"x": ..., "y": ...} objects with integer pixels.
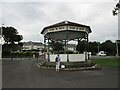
[{"x": 29, "y": 18}]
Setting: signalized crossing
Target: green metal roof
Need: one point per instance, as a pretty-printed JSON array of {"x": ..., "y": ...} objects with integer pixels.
[{"x": 65, "y": 34}]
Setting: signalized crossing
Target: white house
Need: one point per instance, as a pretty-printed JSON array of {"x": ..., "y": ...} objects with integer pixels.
[{"x": 32, "y": 45}]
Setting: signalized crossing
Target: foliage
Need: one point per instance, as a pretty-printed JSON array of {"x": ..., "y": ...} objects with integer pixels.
[
  {"x": 70, "y": 52},
  {"x": 57, "y": 46},
  {"x": 25, "y": 54},
  {"x": 108, "y": 46},
  {"x": 10, "y": 35},
  {"x": 118, "y": 42},
  {"x": 81, "y": 46},
  {"x": 93, "y": 47},
  {"x": 7, "y": 48},
  {"x": 116, "y": 9},
  {"x": 44, "y": 50},
  {"x": 62, "y": 52}
]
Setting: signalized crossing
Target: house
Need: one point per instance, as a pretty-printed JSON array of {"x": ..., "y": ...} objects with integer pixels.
[
  {"x": 71, "y": 47},
  {"x": 32, "y": 45}
]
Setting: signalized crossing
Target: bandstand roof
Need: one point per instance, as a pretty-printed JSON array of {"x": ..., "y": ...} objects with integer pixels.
[{"x": 66, "y": 30}]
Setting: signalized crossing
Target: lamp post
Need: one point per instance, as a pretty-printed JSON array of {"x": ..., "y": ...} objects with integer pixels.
[
  {"x": 1, "y": 43},
  {"x": 98, "y": 47},
  {"x": 1, "y": 30},
  {"x": 116, "y": 43},
  {"x": 117, "y": 53}
]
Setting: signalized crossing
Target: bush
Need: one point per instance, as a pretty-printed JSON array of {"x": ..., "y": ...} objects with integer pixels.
[
  {"x": 25, "y": 54},
  {"x": 70, "y": 52},
  {"x": 34, "y": 53},
  {"x": 5, "y": 52}
]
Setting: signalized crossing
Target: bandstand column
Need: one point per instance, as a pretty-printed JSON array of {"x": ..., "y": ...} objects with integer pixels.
[
  {"x": 78, "y": 43},
  {"x": 67, "y": 51},
  {"x": 85, "y": 47},
  {"x": 48, "y": 49},
  {"x": 44, "y": 42},
  {"x": 66, "y": 47}
]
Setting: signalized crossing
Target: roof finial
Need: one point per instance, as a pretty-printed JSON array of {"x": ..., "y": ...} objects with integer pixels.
[{"x": 66, "y": 22}]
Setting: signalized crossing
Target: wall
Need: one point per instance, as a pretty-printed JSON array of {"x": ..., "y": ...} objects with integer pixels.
[{"x": 72, "y": 57}]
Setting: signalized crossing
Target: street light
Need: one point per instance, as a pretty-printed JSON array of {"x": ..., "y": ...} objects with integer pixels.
[
  {"x": 1, "y": 41},
  {"x": 98, "y": 47},
  {"x": 117, "y": 49},
  {"x": 1, "y": 30},
  {"x": 117, "y": 53}
]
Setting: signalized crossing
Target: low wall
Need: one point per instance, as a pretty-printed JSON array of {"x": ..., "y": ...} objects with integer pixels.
[{"x": 72, "y": 57}]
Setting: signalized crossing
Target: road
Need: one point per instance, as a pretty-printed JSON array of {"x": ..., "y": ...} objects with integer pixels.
[{"x": 26, "y": 74}]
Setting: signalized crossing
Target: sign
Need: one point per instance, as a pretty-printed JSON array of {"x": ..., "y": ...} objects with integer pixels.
[
  {"x": 76, "y": 28},
  {"x": 62, "y": 66},
  {"x": 57, "y": 28},
  {"x": 65, "y": 28}
]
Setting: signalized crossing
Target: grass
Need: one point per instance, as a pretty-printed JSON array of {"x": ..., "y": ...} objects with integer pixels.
[{"x": 112, "y": 62}]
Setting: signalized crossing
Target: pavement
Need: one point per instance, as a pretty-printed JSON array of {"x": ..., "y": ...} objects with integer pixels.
[{"x": 25, "y": 74}]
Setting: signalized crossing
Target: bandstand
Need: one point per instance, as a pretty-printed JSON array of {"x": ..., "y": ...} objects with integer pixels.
[{"x": 64, "y": 32}]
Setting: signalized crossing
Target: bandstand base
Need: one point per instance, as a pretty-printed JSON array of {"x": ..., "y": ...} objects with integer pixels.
[
  {"x": 70, "y": 66},
  {"x": 70, "y": 57}
]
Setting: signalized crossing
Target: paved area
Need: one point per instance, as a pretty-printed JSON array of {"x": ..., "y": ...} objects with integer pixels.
[{"x": 26, "y": 74}]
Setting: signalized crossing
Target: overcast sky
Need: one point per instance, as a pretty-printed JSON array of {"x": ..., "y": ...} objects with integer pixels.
[{"x": 29, "y": 18}]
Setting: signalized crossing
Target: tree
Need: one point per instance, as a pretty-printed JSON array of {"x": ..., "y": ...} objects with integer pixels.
[
  {"x": 118, "y": 41},
  {"x": 93, "y": 47},
  {"x": 57, "y": 46},
  {"x": 116, "y": 9},
  {"x": 109, "y": 47},
  {"x": 81, "y": 46},
  {"x": 10, "y": 35}
]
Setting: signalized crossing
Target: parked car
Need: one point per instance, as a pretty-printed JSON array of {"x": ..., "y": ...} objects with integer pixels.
[{"x": 101, "y": 53}]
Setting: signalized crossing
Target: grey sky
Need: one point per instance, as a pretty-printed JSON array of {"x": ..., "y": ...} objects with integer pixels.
[{"x": 29, "y": 18}]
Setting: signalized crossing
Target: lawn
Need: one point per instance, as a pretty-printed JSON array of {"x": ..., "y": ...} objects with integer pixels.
[{"x": 113, "y": 62}]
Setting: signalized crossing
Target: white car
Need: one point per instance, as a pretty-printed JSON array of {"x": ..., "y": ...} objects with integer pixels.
[{"x": 101, "y": 53}]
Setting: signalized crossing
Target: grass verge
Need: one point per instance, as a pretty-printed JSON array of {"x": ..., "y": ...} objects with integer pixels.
[{"x": 112, "y": 62}]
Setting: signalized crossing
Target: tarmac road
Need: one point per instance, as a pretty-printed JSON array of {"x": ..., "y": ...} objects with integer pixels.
[{"x": 26, "y": 74}]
